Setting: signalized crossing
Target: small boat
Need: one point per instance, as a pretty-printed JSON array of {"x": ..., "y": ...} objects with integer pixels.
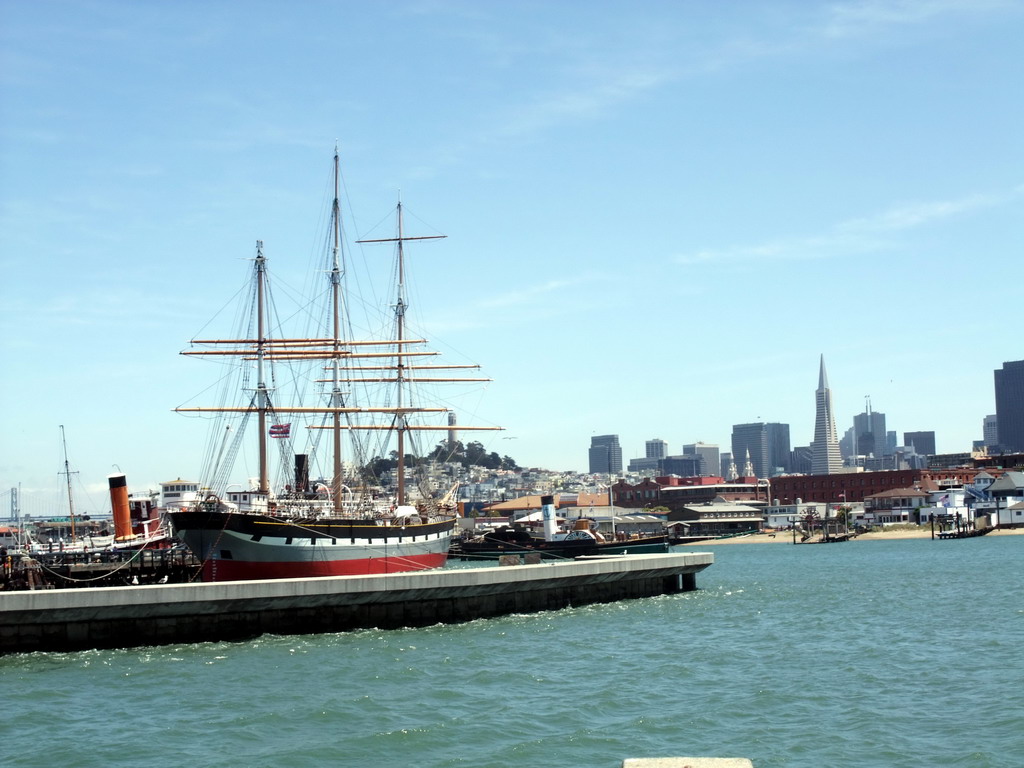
[
  {"x": 580, "y": 541},
  {"x": 345, "y": 524}
]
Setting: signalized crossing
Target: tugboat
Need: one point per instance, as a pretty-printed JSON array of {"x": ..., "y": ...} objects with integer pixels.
[{"x": 580, "y": 541}]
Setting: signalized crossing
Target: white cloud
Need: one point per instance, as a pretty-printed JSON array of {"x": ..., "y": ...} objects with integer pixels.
[
  {"x": 865, "y": 17},
  {"x": 529, "y": 294},
  {"x": 909, "y": 215},
  {"x": 860, "y": 235}
]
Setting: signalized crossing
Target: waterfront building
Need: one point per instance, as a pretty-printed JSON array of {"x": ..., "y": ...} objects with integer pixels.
[
  {"x": 922, "y": 442},
  {"x": 605, "y": 455},
  {"x": 1007, "y": 493},
  {"x": 900, "y": 505},
  {"x": 716, "y": 518},
  {"x": 1009, "y": 385},
  {"x": 677, "y": 492},
  {"x": 855, "y": 486},
  {"x": 825, "y": 458}
]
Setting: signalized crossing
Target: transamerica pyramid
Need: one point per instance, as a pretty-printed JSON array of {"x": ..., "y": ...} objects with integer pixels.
[{"x": 825, "y": 456}]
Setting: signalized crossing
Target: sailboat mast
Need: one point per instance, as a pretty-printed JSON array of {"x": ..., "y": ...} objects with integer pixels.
[
  {"x": 262, "y": 398},
  {"x": 336, "y": 398},
  {"x": 67, "y": 476},
  {"x": 400, "y": 374},
  {"x": 401, "y": 425}
]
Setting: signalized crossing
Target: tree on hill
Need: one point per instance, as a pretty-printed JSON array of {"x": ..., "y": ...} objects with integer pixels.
[{"x": 472, "y": 455}]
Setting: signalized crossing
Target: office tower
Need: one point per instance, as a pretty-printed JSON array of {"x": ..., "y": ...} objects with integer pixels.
[
  {"x": 800, "y": 460},
  {"x": 923, "y": 442},
  {"x": 825, "y": 458},
  {"x": 644, "y": 465},
  {"x": 710, "y": 463},
  {"x": 766, "y": 444},
  {"x": 1009, "y": 382},
  {"x": 657, "y": 449},
  {"x": 846, "y": 443},
  {"x": 687, "y": 465},
  {"x": 869, "y": 437},
  {"x": 778, "y": 449},
  {"x": 605, "y": 454},
  {"x": 750, "y": 441},
  {"x": 990, "y": 430}
]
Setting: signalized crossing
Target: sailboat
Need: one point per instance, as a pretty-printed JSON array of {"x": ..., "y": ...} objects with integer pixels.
[
  {"x": 73, "y": 536},
  {"x": 344, "y": 524}
]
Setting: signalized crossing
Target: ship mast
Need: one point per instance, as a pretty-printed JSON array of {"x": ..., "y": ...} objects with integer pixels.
[
  {"x": 337, "y": 400},
  {"x": 338, "y": 350},
  {"x": 262, "y": 395},
  {"x": 401, "y": 305},
  {"x": 67, "y": 476}
]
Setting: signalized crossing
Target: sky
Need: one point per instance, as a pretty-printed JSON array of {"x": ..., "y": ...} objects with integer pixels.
[{"x": 659, "y": 215}]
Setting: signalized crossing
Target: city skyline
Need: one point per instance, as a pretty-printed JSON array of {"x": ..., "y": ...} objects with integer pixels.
[{"x": 757, "y": 173}]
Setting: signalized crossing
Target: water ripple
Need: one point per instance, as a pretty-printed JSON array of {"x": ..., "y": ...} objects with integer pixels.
[{"x": 874, "y": 654}]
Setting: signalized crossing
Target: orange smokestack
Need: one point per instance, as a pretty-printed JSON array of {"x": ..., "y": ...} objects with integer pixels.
[{"x": 119, "y": 503}]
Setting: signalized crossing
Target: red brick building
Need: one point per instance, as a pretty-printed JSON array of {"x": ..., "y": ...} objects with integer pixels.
[{"x": 855, "y": 486}]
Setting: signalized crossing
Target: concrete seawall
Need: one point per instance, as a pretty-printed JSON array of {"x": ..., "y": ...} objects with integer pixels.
[{"x": 119, "y": 617}]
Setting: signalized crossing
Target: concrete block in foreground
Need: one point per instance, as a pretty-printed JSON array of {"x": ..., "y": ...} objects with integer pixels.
[{"x": 123, "y": 617}]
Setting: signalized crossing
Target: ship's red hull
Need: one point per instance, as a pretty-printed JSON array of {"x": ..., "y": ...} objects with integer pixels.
[{"x": 227, "y": 570}]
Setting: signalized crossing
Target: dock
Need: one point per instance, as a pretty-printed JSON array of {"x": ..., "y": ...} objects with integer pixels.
[
  {"x": 102, "y": 568},
  {"x": 158, "y": 614}
]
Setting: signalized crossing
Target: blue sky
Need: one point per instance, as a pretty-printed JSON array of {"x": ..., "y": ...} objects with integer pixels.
[{"x": 659, "y": 214}]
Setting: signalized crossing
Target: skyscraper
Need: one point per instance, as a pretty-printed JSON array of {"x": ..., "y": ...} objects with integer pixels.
[
  {"x": 750, "y": 441},
  {"x": 923, "y": 442},
  {"x": 710, "y": 462},
  {"x": 990, "y": 430},
  {"x": 1009, "y": 382},
  {"x": 825, "y": 458},
  {"x": 869, "y": 438},
  {"x": 767, "y": 445},
  {"x": 778, "y": 448},
  {"x": 657, "y": 449},
  {"x": 605, "y": 454}
]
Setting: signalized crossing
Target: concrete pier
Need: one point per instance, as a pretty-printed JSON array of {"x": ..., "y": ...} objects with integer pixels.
[{"x": 120, "y": 617}]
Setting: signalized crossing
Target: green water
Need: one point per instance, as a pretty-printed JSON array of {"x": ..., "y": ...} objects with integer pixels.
[{"x": 883, "y": 653}]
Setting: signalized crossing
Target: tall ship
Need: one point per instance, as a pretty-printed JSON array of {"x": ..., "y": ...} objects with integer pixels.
[{"x": 364, "y": 396}]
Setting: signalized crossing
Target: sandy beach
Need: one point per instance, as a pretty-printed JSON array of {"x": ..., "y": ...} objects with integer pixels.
[{"x": 786, "y": 537}]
